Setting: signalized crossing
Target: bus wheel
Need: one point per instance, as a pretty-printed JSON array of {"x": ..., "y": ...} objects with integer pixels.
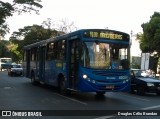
[{"x": 62, "y": 86}]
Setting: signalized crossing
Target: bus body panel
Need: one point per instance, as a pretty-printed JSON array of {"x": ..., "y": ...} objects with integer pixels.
[
  {"x": 52, "y": 70},
  {"x": 79, "y": 77},
  {"x": 103, "y": 80}
]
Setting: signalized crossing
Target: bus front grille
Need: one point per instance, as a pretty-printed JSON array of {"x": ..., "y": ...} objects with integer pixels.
[
  {"x": 106, "y": 73},
  {"x": 108, "y": 81}
]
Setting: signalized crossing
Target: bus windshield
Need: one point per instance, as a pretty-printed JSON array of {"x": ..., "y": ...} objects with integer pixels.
[{"x": 99, "y": 55}]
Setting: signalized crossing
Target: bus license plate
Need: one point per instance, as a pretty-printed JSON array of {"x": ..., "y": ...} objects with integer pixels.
[{"x": 109, "y": 87}]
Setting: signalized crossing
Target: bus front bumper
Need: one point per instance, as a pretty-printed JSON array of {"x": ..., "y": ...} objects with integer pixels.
[{"x": 96, "y": 86}]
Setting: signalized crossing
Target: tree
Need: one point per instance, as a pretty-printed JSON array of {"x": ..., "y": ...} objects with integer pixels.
[
  {"x": 32, "y": 34},
  {"x": 3, "y": 49},
  {"x": 19, "y": 6},
  {"x": 13, "y": 52},
  {"x": 35, "y": 33},
  {"x": 29, "y": 35},
  {"x": 65, "y": 26},
  {"x": 150, "y": 39},
  {"x": 8, "y": 49}
]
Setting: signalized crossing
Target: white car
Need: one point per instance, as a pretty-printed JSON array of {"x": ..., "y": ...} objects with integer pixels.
[{"x": 15, "y": 69}]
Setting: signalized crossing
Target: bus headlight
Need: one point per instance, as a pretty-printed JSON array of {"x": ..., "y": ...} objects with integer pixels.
[
  {"x": 88, "y": 79},
  {"x": 150, "y": 84},
  {"x": 125, "y": 81},
  {"x": 84, "y": 76}
]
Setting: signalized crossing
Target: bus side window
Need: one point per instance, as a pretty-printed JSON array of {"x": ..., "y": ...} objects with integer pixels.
[
  {"x": 50, "y": 51},
  {"x": 60, "y": 50},
  {"x": 33, "y": 54},
  {"x": 75, "y": 50}
]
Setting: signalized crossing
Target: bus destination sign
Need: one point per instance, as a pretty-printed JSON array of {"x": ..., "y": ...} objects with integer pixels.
[{"x": 106, "y": 35}]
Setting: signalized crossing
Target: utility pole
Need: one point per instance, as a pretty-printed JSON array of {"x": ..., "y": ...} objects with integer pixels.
[{"x": 130, "y": 43}]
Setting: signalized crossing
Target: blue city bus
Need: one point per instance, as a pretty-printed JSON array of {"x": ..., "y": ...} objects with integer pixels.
[{"x": 87, "y": 60}]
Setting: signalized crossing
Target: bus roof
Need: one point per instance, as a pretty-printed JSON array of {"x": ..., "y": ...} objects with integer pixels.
[{"x": 80, "y": 32}]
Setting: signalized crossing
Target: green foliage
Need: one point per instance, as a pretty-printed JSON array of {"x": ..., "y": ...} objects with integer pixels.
[
  {"x": 19, "y": 6},
  {"x": 8, "y": 49},
  {"x": 150, "y": 39},
  {"x": 29, "y": 35},
  {"x": 3, "y": 48},
  {"x": 6, "y": 10},
  {"x": 15, "y": 53},
  {"x": 32, "y": 34}
]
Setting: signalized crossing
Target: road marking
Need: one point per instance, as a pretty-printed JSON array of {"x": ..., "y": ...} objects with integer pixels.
[
  {"x": 143, "y": 99},
  {"x": 104, "y": 117},
  {"x": 71, "y": 99},
  {"x": 152, "y": 107},
  {"x": 7, "y": 87}
]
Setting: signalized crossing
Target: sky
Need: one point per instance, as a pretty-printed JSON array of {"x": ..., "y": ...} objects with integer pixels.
[{"x": 121, "y": 15}]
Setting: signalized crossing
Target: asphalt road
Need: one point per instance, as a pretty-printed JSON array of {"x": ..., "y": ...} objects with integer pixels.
[{"x": 20, "y": 97}]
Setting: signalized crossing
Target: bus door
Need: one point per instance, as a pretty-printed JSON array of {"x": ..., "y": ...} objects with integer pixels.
[
  {"x": 73, "y": 63},
  {"x": 42, "y": 63}
]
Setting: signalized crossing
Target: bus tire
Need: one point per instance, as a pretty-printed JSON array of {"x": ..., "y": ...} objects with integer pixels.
[{"x": 62, "y": 86}]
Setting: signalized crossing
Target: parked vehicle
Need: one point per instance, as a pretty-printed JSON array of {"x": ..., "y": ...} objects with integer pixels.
[
  {"x": 5, "y": 63},
  {"x": 143, "y": 83},
  {"x": 15, "y": 69}
]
